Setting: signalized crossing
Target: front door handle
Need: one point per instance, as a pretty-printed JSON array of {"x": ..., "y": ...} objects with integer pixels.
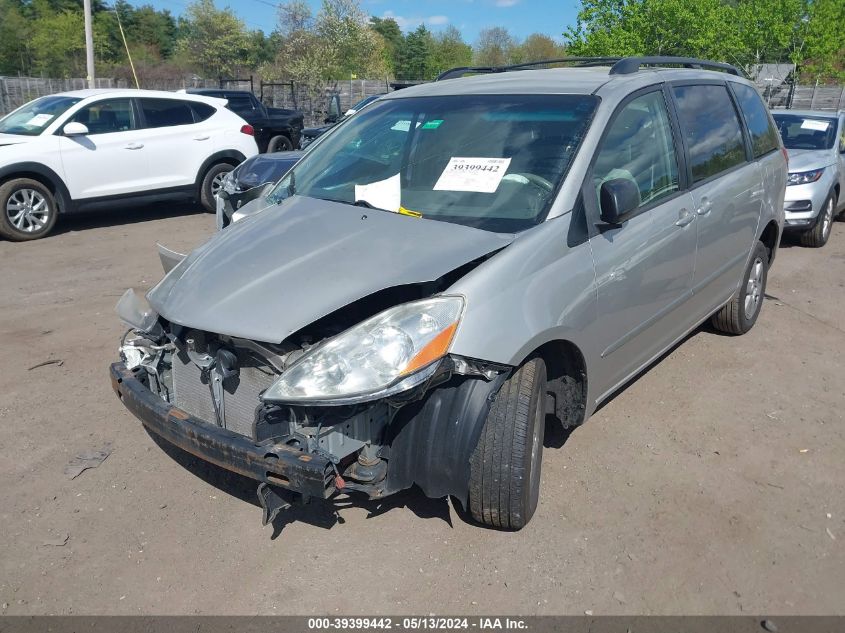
[
  {"x": 134, "y": 146},
  {"x": 684, "y": 218},
  {"x": 202, "y": 138}
]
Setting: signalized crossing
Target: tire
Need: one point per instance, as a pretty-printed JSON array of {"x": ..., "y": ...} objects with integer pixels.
[
  {"x": 817, "y": 236},
  {"x": 504, "y": 484},
  {"x": 740, "y": 314},
  {"x": 279, "y": 143},
  {"x": 209, "y": 182},
  {"x": 28, "y": 210}
]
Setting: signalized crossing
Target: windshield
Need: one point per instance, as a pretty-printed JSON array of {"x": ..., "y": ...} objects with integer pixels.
[
  {"x": 806, "y": 132},
  {"x": 488, "y": 161},
  {"x": 32, "y": 118}
]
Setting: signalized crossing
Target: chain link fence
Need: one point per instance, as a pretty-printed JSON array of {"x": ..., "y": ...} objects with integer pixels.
[{"x": 313, "y": 100}]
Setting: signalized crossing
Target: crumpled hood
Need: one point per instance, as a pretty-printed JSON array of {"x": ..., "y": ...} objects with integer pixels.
[
  {"x": 273, "y": 273},
  {"x": 809, "y": 159}
]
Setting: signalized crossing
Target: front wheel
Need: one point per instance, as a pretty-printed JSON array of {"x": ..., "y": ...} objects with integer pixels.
[
  {"x": 279, "y": 143},
  {"x": 504, "y": 485},
  {"x": 212, "y": 183},
  {"x": 819, "y": 234},
  {"x": 740, "y": 314},
  {"x": 28, "y": 210}
]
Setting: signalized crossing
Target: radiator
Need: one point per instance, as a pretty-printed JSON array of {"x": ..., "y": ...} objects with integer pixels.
[{"x": 192, "y": 392}]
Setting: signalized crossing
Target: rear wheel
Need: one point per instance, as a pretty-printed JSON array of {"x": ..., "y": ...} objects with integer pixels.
[
  {"x": 212, "y": 182},
  {"x": 819, "y": 234},
  {"x": 740, "y": 314},
  {"x": 28, "y": 210},
  {"x": 279, "y": 143},
  {"x": 504, "y": 486}
]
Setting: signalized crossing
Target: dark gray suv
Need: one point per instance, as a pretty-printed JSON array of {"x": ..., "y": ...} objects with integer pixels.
[{"x": 452, "y": 264}]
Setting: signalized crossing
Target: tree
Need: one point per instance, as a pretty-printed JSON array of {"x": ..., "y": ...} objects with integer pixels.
[
  {"x": 495, "y": 47},
  {"x": 215, "y": 40},
  {"x": 538, "y": 46},
  {"x": 391, "y": 35},
  {"x": 416, "y": 57},
  {"x": 15, "y": 35},
  {"x": 824, "y": 46},
  {"x": 450, "y": 50}
]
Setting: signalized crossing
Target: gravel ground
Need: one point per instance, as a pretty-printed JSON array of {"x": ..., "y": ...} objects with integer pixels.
[{"x": 711, "y": 485}]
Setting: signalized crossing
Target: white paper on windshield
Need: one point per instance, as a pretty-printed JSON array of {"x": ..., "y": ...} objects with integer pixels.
[
  {"x": 473, "y": 174},
  {"x": 403, "y": 126},
  {"x": 383, "y": 194},
  {"x": 39, "y": 119},
  {"x": 819, "y": 126}
]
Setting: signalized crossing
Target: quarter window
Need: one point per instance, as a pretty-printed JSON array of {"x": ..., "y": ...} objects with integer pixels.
[
  {"x": 764, "y": 136},
  {"x": 711, "y": 128},
  {"x": 105, "y": 117},
  {"x": 167, "y": 112},
  {"x": 202, "y": 111},
  {"x": 639, "y": 147}
]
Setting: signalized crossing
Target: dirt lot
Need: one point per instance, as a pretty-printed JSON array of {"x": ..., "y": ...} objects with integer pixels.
[{"x": 712, "y": 485}]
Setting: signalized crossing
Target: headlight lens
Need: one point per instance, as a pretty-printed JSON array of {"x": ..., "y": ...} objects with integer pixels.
[
  {"x": 385, "y": 354},
  {"x": 804, "y": 177}
]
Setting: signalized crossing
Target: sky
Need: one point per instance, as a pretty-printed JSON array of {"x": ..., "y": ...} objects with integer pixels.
[{"x": 520, "y": 17}]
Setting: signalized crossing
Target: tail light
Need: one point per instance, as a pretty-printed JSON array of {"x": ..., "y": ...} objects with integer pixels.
[
  {"x": 248, "y": 129},
  {"x": 785, "y": 156}
]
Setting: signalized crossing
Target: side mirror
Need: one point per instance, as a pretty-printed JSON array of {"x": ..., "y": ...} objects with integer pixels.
[
  {"x": 75, "y": 129},
  {"x": 618, "y": 199}
]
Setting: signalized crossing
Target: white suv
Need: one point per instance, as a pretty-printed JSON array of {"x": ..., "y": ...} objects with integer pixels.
[{"x": 86, "y": 148}]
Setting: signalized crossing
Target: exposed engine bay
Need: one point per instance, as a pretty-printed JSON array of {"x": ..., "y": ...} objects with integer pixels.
[{"x": 376, "y": 447}]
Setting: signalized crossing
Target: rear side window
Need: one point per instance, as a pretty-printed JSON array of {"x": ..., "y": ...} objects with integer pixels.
[
  {"x": 167, "y": 112},
  {"x": 639, "y": 147},
  {"x": 711, "y": 129},
  {"x": 202, "y": 111},
  {"x": 764, "y": 136}
]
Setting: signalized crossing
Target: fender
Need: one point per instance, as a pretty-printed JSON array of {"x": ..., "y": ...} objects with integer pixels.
[
  {"x": 226, "y": 156},
  {"x": 66, "y": 204}
]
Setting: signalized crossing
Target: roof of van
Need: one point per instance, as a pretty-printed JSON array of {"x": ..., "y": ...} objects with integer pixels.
[{"x": 556, "y": 81}]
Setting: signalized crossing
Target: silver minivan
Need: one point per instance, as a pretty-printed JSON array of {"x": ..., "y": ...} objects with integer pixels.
[{"x": 452, "y": 265}]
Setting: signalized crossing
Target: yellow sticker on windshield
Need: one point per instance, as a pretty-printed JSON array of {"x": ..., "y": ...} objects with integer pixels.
[{"x": 413, "y": 214}]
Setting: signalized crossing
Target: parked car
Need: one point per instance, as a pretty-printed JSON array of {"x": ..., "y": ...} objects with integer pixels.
[
  {"x": 451, "y": 265},
  {"x": 276, "y": 129},
  {"x": 94, "y": 148},
  {"x": 815, "y": 141},
  {"x": 248, "y": 180},
  {"x": 311, "y": 134}
]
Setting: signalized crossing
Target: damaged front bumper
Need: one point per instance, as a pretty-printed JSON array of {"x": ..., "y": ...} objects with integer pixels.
[{"x": 267, "y": 462}]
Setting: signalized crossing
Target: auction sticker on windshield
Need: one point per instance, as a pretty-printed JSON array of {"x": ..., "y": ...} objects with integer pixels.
[
  {"x": 818, "y": 126},
  {"x": 481, "y": 175}
]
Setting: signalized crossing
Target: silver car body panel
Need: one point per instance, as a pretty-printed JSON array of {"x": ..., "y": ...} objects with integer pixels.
[{"x": 622, "y": 295}]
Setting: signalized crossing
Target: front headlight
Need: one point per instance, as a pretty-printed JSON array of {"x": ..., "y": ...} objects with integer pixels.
[
  {"x": 388, "y": 353},
  {"x": 804, "y": 177}
]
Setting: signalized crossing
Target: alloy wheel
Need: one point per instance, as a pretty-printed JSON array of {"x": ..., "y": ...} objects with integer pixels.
[
  {"x": 28, "y": 210},
  {"x": 754, "y": 288}
]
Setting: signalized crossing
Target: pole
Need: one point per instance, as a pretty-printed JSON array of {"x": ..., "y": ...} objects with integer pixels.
[
  {"x": 126, "y": 46},
  {"x": 89, "y": 44}
]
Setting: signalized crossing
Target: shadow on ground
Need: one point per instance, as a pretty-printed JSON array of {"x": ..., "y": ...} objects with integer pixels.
[{"x": 120, "y": 215}]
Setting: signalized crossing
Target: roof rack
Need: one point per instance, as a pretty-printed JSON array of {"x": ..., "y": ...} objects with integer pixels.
[
  {"x": 629, "y": 65},
  {"x": 619, "y": 65},
  {"x": 454, "y": 73}
]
